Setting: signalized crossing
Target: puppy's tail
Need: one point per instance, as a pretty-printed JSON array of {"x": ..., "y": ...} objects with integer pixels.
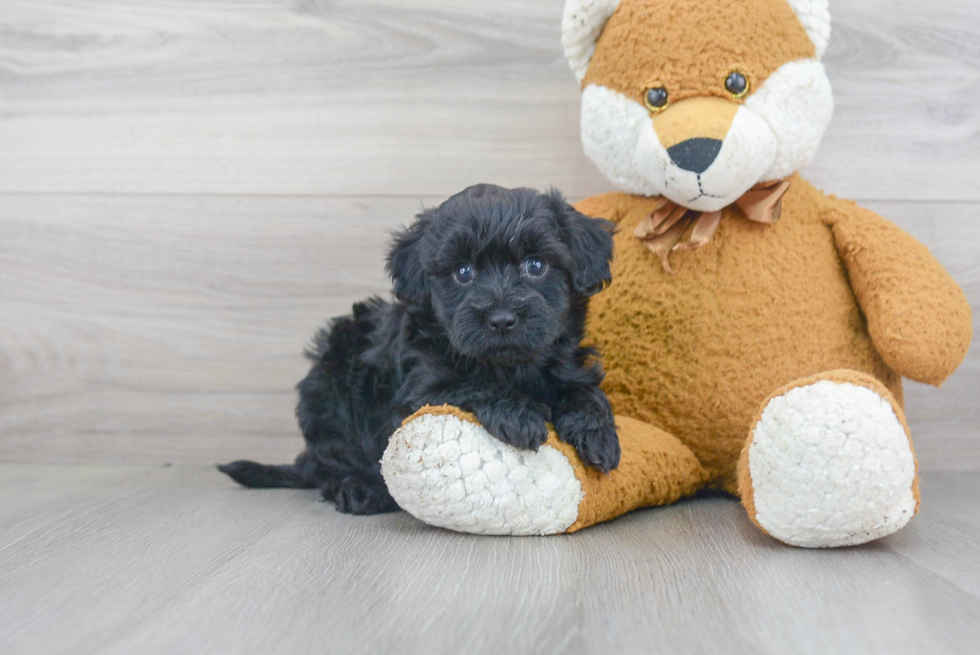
[{"x": 264, "y": 476}]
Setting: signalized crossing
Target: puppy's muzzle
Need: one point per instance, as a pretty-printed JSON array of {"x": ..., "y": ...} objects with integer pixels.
[{"x": 502, "y": 321}]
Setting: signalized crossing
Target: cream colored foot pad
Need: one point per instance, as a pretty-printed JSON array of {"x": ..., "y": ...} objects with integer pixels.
[
  {"x": 831, "y": 465},
  {"x": 451, "y": 473}
]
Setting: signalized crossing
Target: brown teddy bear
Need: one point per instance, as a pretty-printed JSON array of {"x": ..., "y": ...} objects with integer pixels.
[{"x": 756, "y": 331}]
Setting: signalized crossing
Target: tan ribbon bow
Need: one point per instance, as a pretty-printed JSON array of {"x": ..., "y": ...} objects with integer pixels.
[{"x": 663, "y": 229}]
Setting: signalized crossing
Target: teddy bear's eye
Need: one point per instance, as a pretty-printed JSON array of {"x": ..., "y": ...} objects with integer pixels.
[
  {"x": 464, "y": 274},
  {"x": 655, "y": 99},
  {"x": 736, "y": 84}
]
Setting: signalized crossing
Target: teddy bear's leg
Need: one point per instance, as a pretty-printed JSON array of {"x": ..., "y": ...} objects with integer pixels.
[
  {"x": 442, "y": 467},
  {"x": 829, "y": 462}
]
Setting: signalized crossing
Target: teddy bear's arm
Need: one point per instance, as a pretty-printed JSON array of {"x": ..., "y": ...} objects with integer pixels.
[{"x": 918, "y": 317}]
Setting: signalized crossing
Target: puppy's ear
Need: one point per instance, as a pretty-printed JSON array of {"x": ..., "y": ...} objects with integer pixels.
[
  {"x": 590, "y": 242},
  {"x": 405, "y": 261}
]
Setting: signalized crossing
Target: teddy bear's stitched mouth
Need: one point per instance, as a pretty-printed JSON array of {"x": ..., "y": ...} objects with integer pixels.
[{"x": 701, "y": 192}]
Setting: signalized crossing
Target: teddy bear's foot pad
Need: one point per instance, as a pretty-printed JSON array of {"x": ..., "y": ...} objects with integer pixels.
[
  {"x": 831, "y": 465},
  {"x": 449, "y": 472}
]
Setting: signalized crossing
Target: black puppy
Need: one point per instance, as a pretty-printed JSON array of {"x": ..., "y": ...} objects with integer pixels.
[{"x": 491, "y": 293}]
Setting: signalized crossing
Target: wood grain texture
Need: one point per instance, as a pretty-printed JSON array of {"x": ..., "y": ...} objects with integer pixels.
[
  {"x": 418, "y": 97},
  {"x": 170, "y": 329},
  {"x": 167, "y": 560},
  {"x": 155, "y": 328},
  {"x": 161, "y": 269}
]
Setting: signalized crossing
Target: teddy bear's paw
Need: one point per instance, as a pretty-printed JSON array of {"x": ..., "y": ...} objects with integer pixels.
[
  {"x": 830, "y": 464},
  {"x": 447, "y": 471}
]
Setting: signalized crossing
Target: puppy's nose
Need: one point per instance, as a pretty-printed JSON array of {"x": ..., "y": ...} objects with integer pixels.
[
  {"x": 695, "y": 155},
  {"x": 502, "y": 322}
]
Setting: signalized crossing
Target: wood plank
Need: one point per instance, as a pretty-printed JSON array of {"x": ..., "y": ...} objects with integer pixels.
[
  {"x": 154, "y": 329},
  {"x": 140, "y": 329},
  {"x": 42, "y": 499},
  {"x": 126, "y": 542},
  {"x": 949, "y": 502},
  {"x": 180, "y": 560},
  {"x": 423, "y": 97},
  {"x": 885, "y": 57}
]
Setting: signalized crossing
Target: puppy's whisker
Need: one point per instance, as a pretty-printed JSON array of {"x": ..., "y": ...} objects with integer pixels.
[{"x": 455, "y": 355}]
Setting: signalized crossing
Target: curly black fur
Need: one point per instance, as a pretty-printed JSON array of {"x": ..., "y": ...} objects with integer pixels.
[{"x": 501, "y": 340}]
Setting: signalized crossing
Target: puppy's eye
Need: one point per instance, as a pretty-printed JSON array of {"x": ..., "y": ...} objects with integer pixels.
[
  {"x": 464, "y": 274},
  {"x": 736, "y": 84},
  {"x": 534, "y": 267},
  {"x": 655, "y": 99}
]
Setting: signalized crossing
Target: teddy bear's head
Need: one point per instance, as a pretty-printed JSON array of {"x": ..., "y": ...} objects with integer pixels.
[{"x": 699, "y": 100}]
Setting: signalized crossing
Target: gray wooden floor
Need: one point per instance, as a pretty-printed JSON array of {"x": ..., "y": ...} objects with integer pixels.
[
  {"x": 188, "y": 189},
  {"x": 179, "y": 560}
]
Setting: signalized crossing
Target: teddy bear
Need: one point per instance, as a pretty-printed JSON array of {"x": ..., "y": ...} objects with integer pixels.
[{"x": 756, "y": 331}]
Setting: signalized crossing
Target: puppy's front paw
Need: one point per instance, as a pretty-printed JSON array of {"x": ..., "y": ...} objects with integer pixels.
[
  {"x": 519, "y": 424},
  {"x": 594, "y": 438}
]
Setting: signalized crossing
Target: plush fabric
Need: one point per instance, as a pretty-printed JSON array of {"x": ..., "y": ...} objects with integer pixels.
[
  {"x": 584, "y": 21},
  {"x": 688, "y": 48},
  {"x": 768, "y": 361},
  {"x": 696, "y": 352},
  {"x": 918, "y": 318},
  {"x": 847, "y": 423},
  {"x": 656, "y": 469},
  {"x": 445, "y": 469},
  {"x": 691, "y": 57}
]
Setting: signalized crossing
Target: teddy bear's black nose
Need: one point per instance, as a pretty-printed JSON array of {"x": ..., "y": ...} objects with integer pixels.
[{"x": 695, "y": 155}]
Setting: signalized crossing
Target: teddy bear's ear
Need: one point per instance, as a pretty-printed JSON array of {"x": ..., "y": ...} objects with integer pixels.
[
  {"x": 815, "y": 16},
  {"x": 584, "y": 20},
  {"x": 580, "y": 29}
]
